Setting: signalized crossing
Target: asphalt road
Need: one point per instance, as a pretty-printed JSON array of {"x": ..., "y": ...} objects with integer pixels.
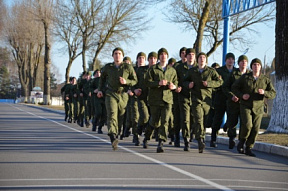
[{"x": 40, "y": 151}]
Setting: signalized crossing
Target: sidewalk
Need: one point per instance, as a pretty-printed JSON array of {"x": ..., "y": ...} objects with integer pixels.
[{"x": 259, "y": 146}]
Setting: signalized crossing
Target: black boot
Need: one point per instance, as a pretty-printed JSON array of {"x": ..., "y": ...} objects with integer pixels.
[
  {"x": 160, "y": 147},
  {"x": 231, "y": 142},
  {"x": 136, "y": 140},
  {"x": 187, "y": 146},
  {"x": 94, "y": 127},
  {"x": 248, "y": 152},
  {"x": 69, "y": 120},
  {"x": 201, "y": 145},
  {"x": 100, "y": 130},
  {"x": 177, "y": 140},
  {"x": 145, "y": 143},
  {"x": 240, "y": 146},
  {"x": 66, "y": 116},
  {"x": 114, "y": 142},
  {"x": 171, "y": 139},
  {"x": 213, "y": 144}
]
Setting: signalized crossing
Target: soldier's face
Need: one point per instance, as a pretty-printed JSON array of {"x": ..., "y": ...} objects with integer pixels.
[
  {"x": 183, "y": 55},
  {"x": 141, "y": 60},
  {"x": 190, "y": 57},
  {"x": 152, "y": 61},
  {"x": 201, "y": 61},
  {"x": 163, "y": 57},
  {"x": 230, "y": 61},
  {"x": 256, "y": 67},
  {"x": 74, "y": 81},
  {"x": 97, "y": 74},
  {"x": 117, "y": 56},
  {"x": 243, "y": 64}
]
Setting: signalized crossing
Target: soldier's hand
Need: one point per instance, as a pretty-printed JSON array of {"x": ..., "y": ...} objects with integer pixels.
[
  {"x": 75, "y": 95},
  {"x": 130, "y": 93},
  {"x": 171, "y": 86},
  {"x": 96, "y": 91},
  {"x": 246, "y": 96},
  {"x": 178, "y": 90},
  {"x": 191, "y": 85},
  {"x": 137, "y": 92},
  {"x": 122, "y": 80},
  {"x": 99, "y": 94},
  {"x": 89, "y": 94},
  {"x": 81, "y": 94},
  {"x": 163, "y": 82},
  {"x": 261, "y": 91},
  {"x": 235, "y": 98},
  {"x": 67, "y": 98},
  {"x": 205, "y": 83}
]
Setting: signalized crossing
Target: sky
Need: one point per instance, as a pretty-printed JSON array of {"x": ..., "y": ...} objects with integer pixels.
[{"x": 172, "y": 37}]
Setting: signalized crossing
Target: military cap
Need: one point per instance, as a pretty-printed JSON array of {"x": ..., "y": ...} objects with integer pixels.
[
  {"x": 255, "y": 60},
  {"x": 161, "y": 50},
  {"x": 189, "y": 50},
  {"x": 230, "y": 55},
  {"x": 118, "y": 48},
  {"x": 215, "y": 65},
  {"x": 152, "y": 54},
  {"x": 141, "y": 54},
  {"x": 242, "y": 57},
  {"x": 182, "y": 49},
  {"x": 95, "y": 71},
  {"x": 127, "y": 58},
  {"x": 202, "y": 53},
  {"x": 171, "y": 60}
]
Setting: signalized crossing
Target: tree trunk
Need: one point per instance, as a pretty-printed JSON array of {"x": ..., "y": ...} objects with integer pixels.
[
  {"x": 279, "y": 116},
  {"x": 68, "y": 70},
  {"x": 47, "y": 64}
]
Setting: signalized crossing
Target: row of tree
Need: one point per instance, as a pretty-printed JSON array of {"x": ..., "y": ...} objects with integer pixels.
[{"x": 90, "y": 27}]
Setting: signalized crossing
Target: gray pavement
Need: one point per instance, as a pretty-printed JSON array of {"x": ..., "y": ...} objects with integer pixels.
[{"x": 40, "y": 151}]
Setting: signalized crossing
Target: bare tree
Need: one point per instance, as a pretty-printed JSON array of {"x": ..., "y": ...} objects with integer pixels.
[
  {"x": 122, "y": 21},
  {"x": 204, "y": 18},
  {"x": 67, "y": 31},
  {"x": 2, "y": 13},
  {"x": 87, "y": 17},
  {"x": 43, "y": 10},
  {"x": 279, "y": 116},
  {"x": 25, "y": 38}
]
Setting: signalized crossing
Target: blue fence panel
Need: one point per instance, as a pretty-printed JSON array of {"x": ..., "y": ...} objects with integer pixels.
[{"x": 7, "y": 101}]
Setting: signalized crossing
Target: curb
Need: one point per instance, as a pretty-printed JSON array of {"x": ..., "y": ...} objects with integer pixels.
[
  {"x": 46, "y": 109},
  {"x": 258, "y": 146}
]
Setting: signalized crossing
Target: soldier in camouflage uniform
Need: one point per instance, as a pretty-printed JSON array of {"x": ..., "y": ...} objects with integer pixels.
[
  {"x": 220, "y": 98},
  {"x": 65, "y": 93},
  {"x": 233, "y": 106},
  {"x": 85, "y": 90},
  {"x": 99, "y": 117},
  {"x": 176, "y": 108},
  {"x": 184, "y": 97},
  {"x": 132, "y": 114},
  {"x": 81, "y": 81},
  {"x": 161, "y": 79},
  {"x": 171, "y": 131},
  {"x": 141, "y": 91},
  {"x": 116, "y": 76},
  {"x": 201, "y": 80},
  {"x": 251, "y": 89}
]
